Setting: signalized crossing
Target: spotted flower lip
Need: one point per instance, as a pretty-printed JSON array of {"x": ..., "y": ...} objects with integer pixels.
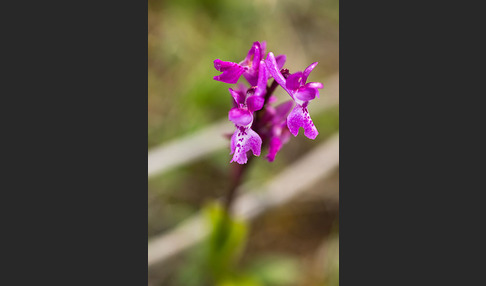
[
  {"x": 301, "y": 92},
  {"x": 299, "y": 117},
  {"x": 245, "y": 139}
]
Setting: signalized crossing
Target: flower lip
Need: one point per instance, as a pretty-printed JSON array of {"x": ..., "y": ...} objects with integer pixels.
[
  {"x": 242, "y": 141},
  {"x": 299, "y": 117}
]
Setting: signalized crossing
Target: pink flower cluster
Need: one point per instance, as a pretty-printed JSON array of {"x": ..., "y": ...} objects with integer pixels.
[{"x": 274, "y": 124}]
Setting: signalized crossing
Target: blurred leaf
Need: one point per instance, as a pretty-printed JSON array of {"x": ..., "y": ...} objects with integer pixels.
[
  {"x": 226, "y": 241},
  {"x": 275, "y": 270},
  {"x": 240, "y": 280},
  {"x": 194, "y": 271},
  {"x": 331, "y": 262}
]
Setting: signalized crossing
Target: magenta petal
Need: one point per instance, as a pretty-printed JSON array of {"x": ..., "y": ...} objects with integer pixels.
[
  {"x": 231, "y": 71},
  {"x": 293, "y": 81},
  {"x": 250, "y": 54},
  {"x": 244, "y": 140},
  {"x": 240, "y": 116},
  {"x": 315, "y": 85},
  {"x": 274, "y": 146},
  {"x": 295, "y": 120},
  {"x": 283, "y": 108},
  {"x": 238, "y": 96},
  {"x": 254, "y": 142},
  {"x": 257, "y": 56},
  {"x": 254, "y": 52},
  {"x": 307, "y": 71},
  {"x": 261, "y": 89},
  {"x": 251, "y": 77},
  {"x": 268, "y": 116},
  {"x": 272, "y": 99},
  {"x": 305, "y": 94},
  {"x": 233, "y": 142},
  {"x": 255, "y": 103},
  {"x": 299, "y": 117},
  {"x": 263, "y": 45},
  {"x": 285, "y": 135},
  {"x": 273, "y": 69},
  {"x": 280, "y": 59},
  {"x": 220, "y": 65},
  {"x": 252, "y": 60},
  {"x": 275, "y": 72}
]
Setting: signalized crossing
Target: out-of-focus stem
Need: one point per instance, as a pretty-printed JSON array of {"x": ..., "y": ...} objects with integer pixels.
[
  {"x": 237, "y": 174},
  {"x": 238, "y": 171}
]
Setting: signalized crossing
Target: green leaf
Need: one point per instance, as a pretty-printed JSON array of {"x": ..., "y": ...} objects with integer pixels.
[
  {"x": 226, "y": 241},
  {"x": 276, "y": 270}
]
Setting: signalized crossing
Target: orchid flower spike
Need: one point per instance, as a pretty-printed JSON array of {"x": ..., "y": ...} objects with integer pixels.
[{"x": 301, "y": 92}]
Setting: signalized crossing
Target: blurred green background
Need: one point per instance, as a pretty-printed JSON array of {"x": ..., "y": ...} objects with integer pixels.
[{"x": 296, "y": 244}]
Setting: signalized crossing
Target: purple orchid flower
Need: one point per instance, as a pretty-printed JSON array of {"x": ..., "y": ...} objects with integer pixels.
[
  {"x": 249, "y": 67},
  {"x": 244, "y": 139},
  {"x": 301, "y": 92},
  {"x": 279, "y": 132},
  {"x": 247, "y": 101}
]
